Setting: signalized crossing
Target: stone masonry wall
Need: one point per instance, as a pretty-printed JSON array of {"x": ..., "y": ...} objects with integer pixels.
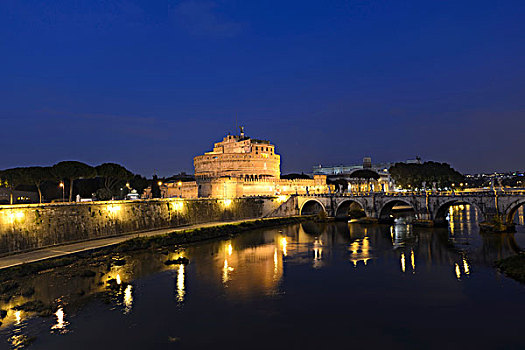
[{"x": 28, "y": 227}]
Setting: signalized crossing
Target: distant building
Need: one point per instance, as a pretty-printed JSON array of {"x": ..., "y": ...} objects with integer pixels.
[
  {"x": 18, "y": 196},
  {"x": 377, "y": 178}
]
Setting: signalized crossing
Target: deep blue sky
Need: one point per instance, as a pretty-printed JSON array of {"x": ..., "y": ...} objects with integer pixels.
[{"x": 150, "y": 84}]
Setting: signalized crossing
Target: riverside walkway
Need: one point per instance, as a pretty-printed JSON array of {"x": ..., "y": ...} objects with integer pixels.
[{"x": 67, "y": 249}]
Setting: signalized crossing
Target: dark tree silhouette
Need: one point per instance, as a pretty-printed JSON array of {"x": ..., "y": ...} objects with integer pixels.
[
  {"x": 73, "y": 170},
  {"x": 114, "y": 175}
]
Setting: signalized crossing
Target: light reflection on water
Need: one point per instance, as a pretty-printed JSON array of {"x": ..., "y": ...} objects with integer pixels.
[
  {"x": 277, "y": 273},
  {"x": 61, "y": 323},
  {"x": 180, "y": 284}
]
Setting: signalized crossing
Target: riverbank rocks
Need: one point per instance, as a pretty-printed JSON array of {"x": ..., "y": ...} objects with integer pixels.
[
  {"x": 365, "y": 221},
  {"x": 513, "y": 267},
  {"x": 88, "y": 274},
  {"x": 119, "y": 262},
  {"x": 178, "y": 261},
  {"x": 496, "y": 227},
  {"x": 423, "y": 223},
  {"x": 36, "y": 306}
]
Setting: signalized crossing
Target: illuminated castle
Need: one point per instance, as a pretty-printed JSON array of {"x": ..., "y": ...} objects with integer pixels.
[
  {"x": 240, "y": 157},
  {"x": 240, "y": 166}
]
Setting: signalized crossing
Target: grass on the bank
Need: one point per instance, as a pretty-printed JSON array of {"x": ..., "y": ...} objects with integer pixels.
[{"x": 513, "y": 266}]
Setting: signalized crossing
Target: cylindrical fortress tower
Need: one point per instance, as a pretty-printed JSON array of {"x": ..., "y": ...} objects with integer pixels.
[{"x": 241, "y": 157}]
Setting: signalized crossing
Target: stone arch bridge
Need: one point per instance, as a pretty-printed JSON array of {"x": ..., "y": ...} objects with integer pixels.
[{"x": 429, "y": 206}]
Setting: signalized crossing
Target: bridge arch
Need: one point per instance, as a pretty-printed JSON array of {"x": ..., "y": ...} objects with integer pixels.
[
  {"x": 386, "y": 210},
  {"x": 512, "y": 209},
  {"x": 345, "y": 208},
  {"x": 440, "y": 217},
  {"x": 312, "y": 207}
]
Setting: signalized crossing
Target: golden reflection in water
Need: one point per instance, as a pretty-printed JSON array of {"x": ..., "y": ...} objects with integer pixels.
[
  {"x": 466, "y": 267},
  {"x": 284, "y": 244},
  {"x": 128, "y": 299},
  {"x": 460, "y": 219},
  {"x": 403, "y": 262},
  {"x": 226, "y": 270},
  {"x": 521, "y": 215},
  {"x": 275, "y": 264},
  {"x": 250, "y": 269},
  {"x": 360, "y": 251},
  {"x": 318, "y": 253},
  {"x": 61, "y": 323},
  {"x": 180, "y": 284},
  {"x": 413, "y": 261},
  {"x": 228, "y": 251},
  {"x": 458, "y": 271},
  {"x": 318, "y": 250},
  {"x": 18, "y": 316}
]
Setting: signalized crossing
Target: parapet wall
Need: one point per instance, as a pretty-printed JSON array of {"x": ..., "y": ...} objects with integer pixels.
[{"x": 28, "y": 227}]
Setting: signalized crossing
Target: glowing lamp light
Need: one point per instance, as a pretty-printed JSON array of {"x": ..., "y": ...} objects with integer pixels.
[
  {"x": 177, "y": 205},
  {"x": 113, "y": 209},
  {"x": 282, "y": 198},
  {"x": 14, "y": 216},
  {"x": 226, "y": 203}
]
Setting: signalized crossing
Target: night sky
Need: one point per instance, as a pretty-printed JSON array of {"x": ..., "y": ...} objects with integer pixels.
[{"x": 151, "y": 84}]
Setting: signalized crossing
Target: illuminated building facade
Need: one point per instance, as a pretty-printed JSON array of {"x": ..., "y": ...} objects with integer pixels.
[
  {"x": 240, "y": 166},
  {"x": 241, "y": 157}
]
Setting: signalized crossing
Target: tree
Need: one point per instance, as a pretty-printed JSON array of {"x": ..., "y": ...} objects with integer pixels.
[
  {"x": 293, "y": 176},
  {"x": 10, "y": 178},
  {"x": 139, "y": 183},
  {"x": 37, "y": 175},
  {"x": 413, "y": 175},
  {"x": 155, "y": 189},
  {"x": 113, "y": 174},
  {"x": 73, "y": 170},
  {"x": 365, "y": 174}
]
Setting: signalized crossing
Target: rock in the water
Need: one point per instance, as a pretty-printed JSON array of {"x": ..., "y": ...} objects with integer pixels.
[{"x": 182, "y": 260}]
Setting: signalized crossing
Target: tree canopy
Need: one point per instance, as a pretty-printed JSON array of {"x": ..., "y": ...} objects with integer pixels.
[
  {"x": 413, "y": 175},
  {"x": 72, "y": 170},
  {"x": 10, "y": 178},
  {"x": 37, "y": 175},
  {"x": 107, "y": 180},
  {"x": 114, "y": 175},
  {"x": 364, "y": 174},
  {"x": 293, "y": 176}
]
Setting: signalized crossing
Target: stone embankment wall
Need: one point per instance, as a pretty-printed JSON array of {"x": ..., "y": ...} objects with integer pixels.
[{"x": 28, "y": 227}]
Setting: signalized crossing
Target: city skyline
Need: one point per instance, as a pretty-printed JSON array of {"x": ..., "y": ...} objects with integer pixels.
[{"x": 149, "y": 85}]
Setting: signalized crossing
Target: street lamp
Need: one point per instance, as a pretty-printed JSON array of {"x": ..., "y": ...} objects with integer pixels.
[
  {"x": 180, "y": 188},
  {"x": 62, "y": 185}
]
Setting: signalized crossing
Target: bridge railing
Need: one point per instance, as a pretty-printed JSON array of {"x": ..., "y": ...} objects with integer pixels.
[{"x": 499, "y": 192}]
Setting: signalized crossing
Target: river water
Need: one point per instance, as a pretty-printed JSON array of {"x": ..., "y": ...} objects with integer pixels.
[{"x": 307, "y": 286}]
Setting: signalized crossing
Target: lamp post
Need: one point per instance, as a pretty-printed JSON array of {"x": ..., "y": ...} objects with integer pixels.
[
  {"x": 180, "y": 188},
  {"x": 62, "y": 185}
]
